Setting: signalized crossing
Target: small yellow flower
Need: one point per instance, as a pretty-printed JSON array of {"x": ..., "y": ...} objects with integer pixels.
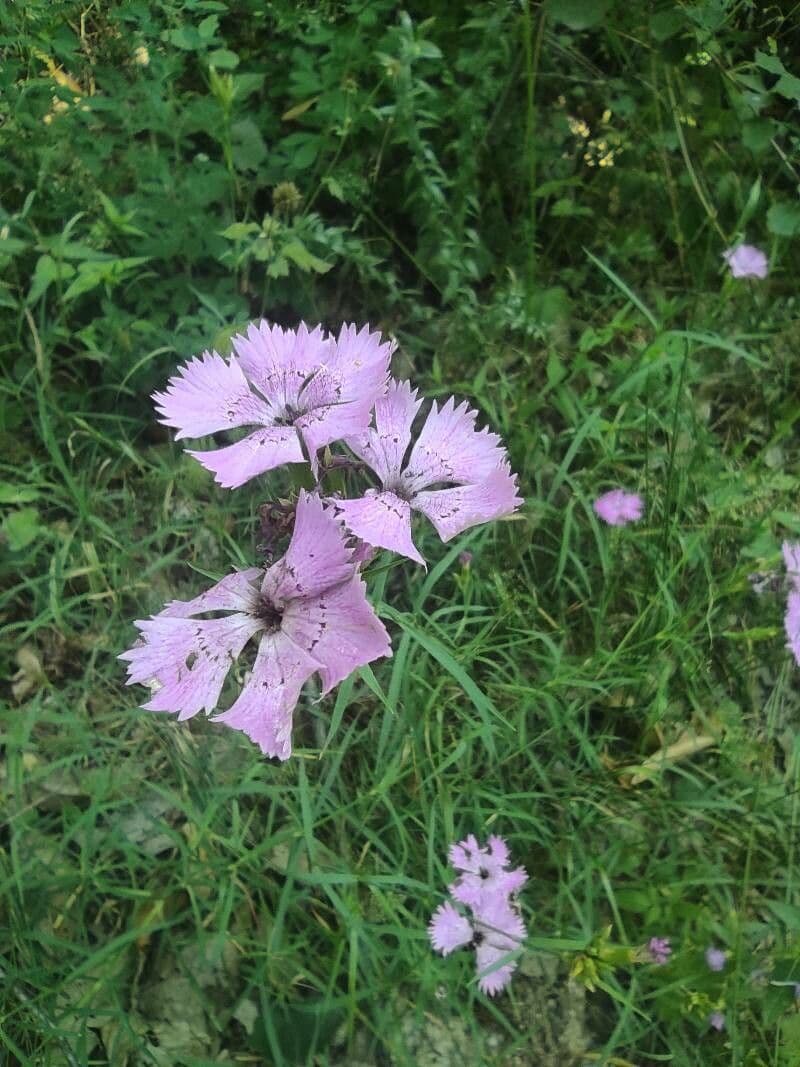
[
  {"x": 141, "y": 57},
  {"x": 578, "y": 127}
]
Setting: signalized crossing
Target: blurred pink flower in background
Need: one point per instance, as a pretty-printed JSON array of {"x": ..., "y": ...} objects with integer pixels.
[
  {"x": 746, "y": 261},
  {"x": 618, "y": 508}
]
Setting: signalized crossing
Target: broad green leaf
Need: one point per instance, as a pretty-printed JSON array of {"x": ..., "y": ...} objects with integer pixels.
[
  {"x": 20, "y": 528},
  {"x": 224, "y": 59},
  {"x": 783, "y": 219},
  {"x": 578, "y": 14},
  {"x": 16, "y": 494}
]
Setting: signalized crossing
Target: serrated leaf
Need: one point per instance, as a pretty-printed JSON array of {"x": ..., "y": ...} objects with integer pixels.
[
  {"x": 297, "y": 252},
  {"x": 46, "y": 272},
  {"x": 238, "y": 230}
]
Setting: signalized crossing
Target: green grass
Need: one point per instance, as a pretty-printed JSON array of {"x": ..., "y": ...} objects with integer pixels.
[{"x": 167, "y": 896}]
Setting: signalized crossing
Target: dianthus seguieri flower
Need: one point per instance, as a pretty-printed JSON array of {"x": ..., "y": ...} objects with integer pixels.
[
  {"x": 455, "y": 475},
  {"x": 618, "y": 508},
  {"x": 746, "y": 261},
  {"x": 308, "y": 612},
  {"x": 494, "y": 927},
  {"x": 297, "y": 390}
]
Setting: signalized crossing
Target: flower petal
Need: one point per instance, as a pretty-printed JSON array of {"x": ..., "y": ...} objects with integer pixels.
[
  {"x": 383, "y": 447},
  {"x": 791, "y": 623},
  {"x": 339, "y": 395},
  {"x": 501, "y": 932},
  {"x": 450, "y": 449},
  {"x": 466, "y": 855},
  {"x": 339, "y": 628},
  {"x": 492, "y": 979},
  {"x": 209, "y": 394},
  {"x": 381, "y": 519},
  {"x": 278, "y": 361},
  {"x": 791, "y": 559},
  {"x": 265, "y": 705},
  {"x": 454, "y": 510},
  {"x": 261, "y": 451},
  {"x": 317, "y": 558},
  {"x": 186, "y": 660},
  {"x": 449, "y": 929},
  {"x": 236, "y": 592}
]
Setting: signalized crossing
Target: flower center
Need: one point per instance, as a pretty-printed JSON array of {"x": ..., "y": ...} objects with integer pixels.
[{"x": 269, "y": 615}]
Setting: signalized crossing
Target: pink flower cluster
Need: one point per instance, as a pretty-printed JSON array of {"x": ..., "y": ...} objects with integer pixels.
[
  {"x": 295, "y": 392},
  {"x": 494, "y": 927}
]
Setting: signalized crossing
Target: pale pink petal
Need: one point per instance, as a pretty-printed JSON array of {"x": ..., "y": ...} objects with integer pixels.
[
  {"x": 207, "y": 395},
  {"x": 382, "y": 520},
  {"x": 498, "y": 851},
  {"x": 618, "y": 507},
  {"x": 499, "y": 931},
  {"x": 791, "y": 558},
  {"x": 338, "y": 396},
  {"x": 746, "y": 261},
  {"x": 466, "y": 855},
  {"x": 454, "y": 510},
  {"x": 450, "y": 449},
  {"x": 279, "y": 361},
  {"x": 185, "y": 661},
  {"x": 317, "y": 558},
  {"x": 327, "y": 423},
  {"x": 236, "y": 592},
  {"x": 261, "y": 451},
  {"x": 361, "y": 356},
  {"x": 501, "y": 923},
  {"x": 493, "y": 976},
  {"x": 792, "y": 623},
  {"x": 265, "y": 705},
  {"x": 339, "y": 628},
  {"x": 383, "y": 447},
  {"x": 449, "y": 929},
  {"x": 487, "y": 887}
]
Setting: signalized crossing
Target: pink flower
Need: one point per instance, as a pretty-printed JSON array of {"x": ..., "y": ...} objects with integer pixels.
[
  {"x": 494, "y": 926},
  {"x": 717, "y": 1020},
  {"x": 746, "y": 261},
  {"x": 715, "y": 958},
  {"x": 484, "y": 876},
  {"x": 298, "y": 391},
  {"x": 309, "y": 611},
  {"x": 660, "y": 950},
  {"x": 618, "y": 507},
  {"x": 448, "y": 450}
]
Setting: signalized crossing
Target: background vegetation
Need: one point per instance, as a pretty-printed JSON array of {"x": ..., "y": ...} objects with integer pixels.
[{"x": 534, "y": 199}]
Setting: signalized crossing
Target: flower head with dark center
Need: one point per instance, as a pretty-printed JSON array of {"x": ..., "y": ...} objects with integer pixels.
[
  {"x": 310, "y": 615},
  {"x": 296, "y": 390}
]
